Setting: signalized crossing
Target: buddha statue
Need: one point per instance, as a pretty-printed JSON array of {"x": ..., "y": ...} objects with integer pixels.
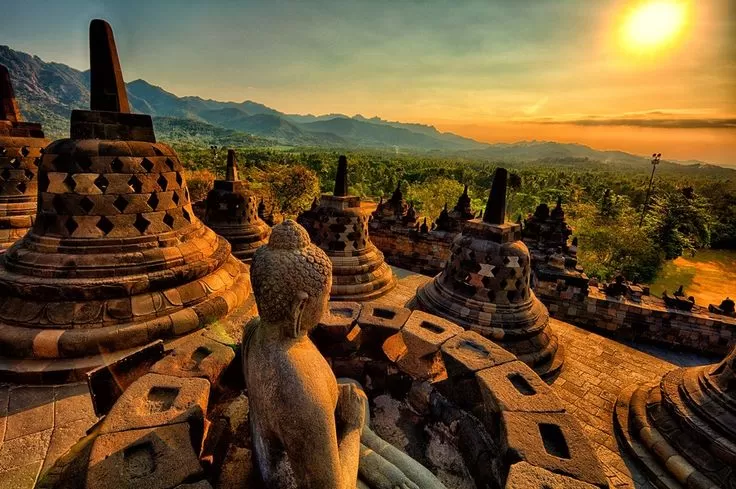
[{"x": 309, "y": 429}]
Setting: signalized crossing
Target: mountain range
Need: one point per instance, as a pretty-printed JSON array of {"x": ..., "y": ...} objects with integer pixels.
[{"x": 48, "y": 91}]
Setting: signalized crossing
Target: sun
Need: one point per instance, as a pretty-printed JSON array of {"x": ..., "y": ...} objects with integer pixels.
[{"x": 654, "y": 24}]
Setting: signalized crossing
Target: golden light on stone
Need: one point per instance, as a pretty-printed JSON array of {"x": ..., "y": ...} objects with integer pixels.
[{"x": 652, "y": 25}]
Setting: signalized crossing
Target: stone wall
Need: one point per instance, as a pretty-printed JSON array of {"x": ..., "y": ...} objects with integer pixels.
[
  {"x": 407, "y": 248},
  {"x": 649, "y": 320}
]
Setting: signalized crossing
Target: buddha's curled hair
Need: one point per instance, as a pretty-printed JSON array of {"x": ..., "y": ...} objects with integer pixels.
[{"x": 287, "y": 264}]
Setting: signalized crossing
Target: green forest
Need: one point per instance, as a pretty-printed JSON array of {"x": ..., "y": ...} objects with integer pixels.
[{"x": 692, "y": 206}]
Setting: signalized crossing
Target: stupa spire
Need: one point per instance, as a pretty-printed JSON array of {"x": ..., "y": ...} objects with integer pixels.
[
  {"x": 107, "y": 88},
  {"x": 341, "y": 179},
  {"x": 9, "y": 110},
  {"x": 231, "y": 173},
  {"x": 496, "y": 207}
]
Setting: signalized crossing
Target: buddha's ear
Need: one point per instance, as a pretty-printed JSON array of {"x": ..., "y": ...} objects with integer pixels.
[{"x": 300, "y": 302}]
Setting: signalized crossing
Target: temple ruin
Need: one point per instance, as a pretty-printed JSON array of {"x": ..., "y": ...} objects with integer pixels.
[
  {"x": 21, "y": 144},
  {"x": 486, "y": 287},
  {"x": 115, "y": 258},
  {"x": 339, "y": 226},
  {"x": 232, "y": 212},
  {"x": 142, "y": 348}
]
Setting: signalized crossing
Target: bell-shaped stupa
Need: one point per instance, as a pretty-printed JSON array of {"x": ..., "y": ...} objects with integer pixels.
[
  {"x": 232, "y": 212},
  {"x": 116, "y": 258},
  {"x": 485, "y": 287},
  {"x": 683, "y": 429},
  {"x": 21, "y": 144},
  {"x": 339, "y": 226}
]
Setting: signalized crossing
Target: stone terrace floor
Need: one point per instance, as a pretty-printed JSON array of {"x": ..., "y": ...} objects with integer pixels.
[
  {"x": 38, "y": 424},
  {"x": 596, "y": 369}
]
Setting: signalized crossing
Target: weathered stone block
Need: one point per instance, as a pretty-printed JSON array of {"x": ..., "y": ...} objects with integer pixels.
[
  {"x": 380, "y": 316},
  {"x": 155, "y": 458},
  {"x": 108, "y": 382},
  {"x": 378, "y": 322},
  {"x": 155, "y": 400},
  {"x": 469, "y": 352},
  {"x": 552, "y": 441},
  {"x": 340, "y": 318},
  {"x": 424, "y": 334},
  {"x": 525, "y": 476},
  {"x": 197, "y": 356},
  {"x": 514, "y": 386}
]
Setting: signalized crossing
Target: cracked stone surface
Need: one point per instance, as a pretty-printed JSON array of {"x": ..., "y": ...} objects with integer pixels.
[{"x": 37, "y": 425}]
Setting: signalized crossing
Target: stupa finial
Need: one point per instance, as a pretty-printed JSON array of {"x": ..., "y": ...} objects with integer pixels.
[
  {"x": 231, "y": 173},
  {"x": 496, "y": 207},
  {"x": 8, "y": 106},
  {"x": 341, "y": 179},
  {"x": 107, "y": 88}
]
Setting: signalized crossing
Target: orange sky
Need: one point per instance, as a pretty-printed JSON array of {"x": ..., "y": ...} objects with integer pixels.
[{"x": 713, "y": 145}]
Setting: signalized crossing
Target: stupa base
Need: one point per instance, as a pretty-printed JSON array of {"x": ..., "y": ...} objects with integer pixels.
[
  {"x": 525, "y": 330},
  {"x": 54, "y": 371},
  {"x": 672, "y": 430}
]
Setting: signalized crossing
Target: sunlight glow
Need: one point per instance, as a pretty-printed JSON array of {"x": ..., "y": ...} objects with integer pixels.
[{"x": 654, "y": 24}]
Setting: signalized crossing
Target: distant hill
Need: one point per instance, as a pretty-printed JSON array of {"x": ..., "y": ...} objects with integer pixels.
[{"x": 48, "y": 92}]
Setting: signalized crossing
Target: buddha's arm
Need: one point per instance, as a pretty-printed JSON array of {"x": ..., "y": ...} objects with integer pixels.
[
  {"x": 309, "y": 436},
  {"x": 349, "y": 418}
]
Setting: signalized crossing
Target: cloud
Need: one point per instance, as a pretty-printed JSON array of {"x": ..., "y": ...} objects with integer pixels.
[
  {"x": 685, "y": 123},
  {"x": 533, "y": 109}
]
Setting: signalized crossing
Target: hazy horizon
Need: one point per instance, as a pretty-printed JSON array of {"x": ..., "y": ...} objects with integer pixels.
[{"x": 493, "y": 71}]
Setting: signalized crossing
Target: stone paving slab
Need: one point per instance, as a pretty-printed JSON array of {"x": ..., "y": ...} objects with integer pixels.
[
  {"x": 37, "y": 425},
  {"x": 596, "y": 369}
]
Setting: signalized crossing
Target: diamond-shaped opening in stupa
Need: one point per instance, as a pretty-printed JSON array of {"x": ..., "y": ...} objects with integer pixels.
[
  {"x": 102, "y": 183},
  {"x": 153, "y": 201},
  {"x": 147, "y": 164},
  {"x": 135, "y": 184},
  {"x": 105, "y": 225},
  {"x": 141, "y": 223},
  {"x": 121, "y": 203},
  {"x": 86, "y": 204},
  {"x": 169, "y": 220}
]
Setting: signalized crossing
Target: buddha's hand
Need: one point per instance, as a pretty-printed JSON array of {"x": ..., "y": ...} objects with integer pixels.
[{"x": 351, "y": 405}]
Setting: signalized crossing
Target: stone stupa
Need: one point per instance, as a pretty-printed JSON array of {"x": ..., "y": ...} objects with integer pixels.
[
  {"x": 339, "y": 226},
  {"x": 21, "y": 144},
  {"x": 116, "y": 258},
  {"x": 683, "y": 429},
  {"x": 232, "y": 212},
  {"x": 485, "y": 287}
]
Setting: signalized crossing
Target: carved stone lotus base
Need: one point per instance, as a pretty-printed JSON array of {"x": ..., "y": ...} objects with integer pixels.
[
  {"x": 523, "y": 330},
  {"x": 360, "y": 277},
  {"x": 683, "y": 430}
]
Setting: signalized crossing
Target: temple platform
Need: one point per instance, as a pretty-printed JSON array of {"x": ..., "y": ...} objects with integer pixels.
[{"x": 39, "y": 423}]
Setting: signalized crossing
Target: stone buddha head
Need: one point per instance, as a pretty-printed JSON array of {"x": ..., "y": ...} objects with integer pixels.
[{"x": 291, "y": 280}]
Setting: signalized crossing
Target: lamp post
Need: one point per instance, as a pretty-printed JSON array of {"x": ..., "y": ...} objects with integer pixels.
[{"x": 655, "y": 162}]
